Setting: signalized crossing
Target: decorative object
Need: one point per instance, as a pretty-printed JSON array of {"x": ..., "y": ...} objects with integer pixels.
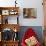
[
  {"x": 5, "y": 19},
  {"x": 5, "y": 12},
  {"x": 15, "y": 34},
  {"x": 29, "y": 13},
  {"x": 13, "y": 12},
  {"x": 7, "y": 34},
  {"x": 15, "y": 30},
  {"x": 31, "y": 41},
  {"x": 15, "y": 37}
]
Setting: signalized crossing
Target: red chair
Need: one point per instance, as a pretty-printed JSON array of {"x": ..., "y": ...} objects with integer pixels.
[{"x": 29, "y": 33}]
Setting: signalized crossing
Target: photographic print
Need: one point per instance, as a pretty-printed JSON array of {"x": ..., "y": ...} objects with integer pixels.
[{"x": 29, "y": 12}]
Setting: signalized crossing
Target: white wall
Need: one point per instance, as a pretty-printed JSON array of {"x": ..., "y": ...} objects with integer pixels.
[
  {"x": 33, "y": 22},
  {"x": 27, "y": 4},
  {"x": 4, "y": 3}
]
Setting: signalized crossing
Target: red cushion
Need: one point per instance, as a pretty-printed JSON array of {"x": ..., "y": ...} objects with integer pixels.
[{"x": 29, "y": 33}]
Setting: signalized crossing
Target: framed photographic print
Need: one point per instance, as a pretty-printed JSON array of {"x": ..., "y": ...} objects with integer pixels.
[
  {"x": 5, "y": 12},
  {"x": 29, "y": 12}
]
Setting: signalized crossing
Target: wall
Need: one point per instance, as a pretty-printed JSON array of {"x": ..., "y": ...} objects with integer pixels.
[
  {"x": 7, "y": 3},
  {"x": 33, "y": 22},
  {"x": 27, "y": 4}
]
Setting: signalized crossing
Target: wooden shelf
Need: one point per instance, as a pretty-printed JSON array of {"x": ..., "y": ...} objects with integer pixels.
[
  {"x": 13, "y": 27},
  {"x": 8, "y": 11},
  {"x": 15, "y": 9},
  {"x": 9, "y": 43}
]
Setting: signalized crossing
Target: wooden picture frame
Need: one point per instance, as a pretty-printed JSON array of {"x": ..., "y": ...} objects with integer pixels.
[{"x": 29, "y": 12}]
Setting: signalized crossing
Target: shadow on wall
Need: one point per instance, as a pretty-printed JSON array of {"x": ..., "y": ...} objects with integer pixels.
[{"x": 37, "y": 29}]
